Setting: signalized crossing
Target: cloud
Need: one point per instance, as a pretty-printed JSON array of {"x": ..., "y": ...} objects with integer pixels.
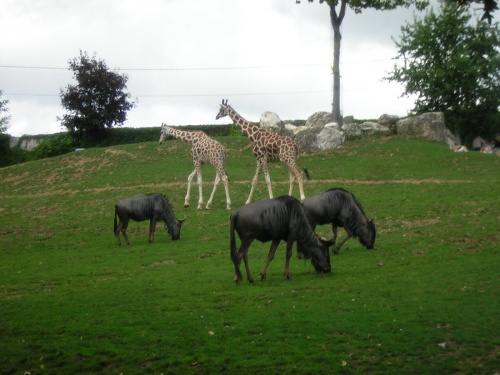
[{"x": 183, "y": 57}]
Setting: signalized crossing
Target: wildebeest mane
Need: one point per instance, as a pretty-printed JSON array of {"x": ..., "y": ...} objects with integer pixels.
[
  {"x": 302, "y": 229},
  {"x": 352, "y": 217}
]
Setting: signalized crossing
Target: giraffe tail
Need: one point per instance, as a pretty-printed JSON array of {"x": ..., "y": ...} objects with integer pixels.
[{"x": 306, "y": 172}]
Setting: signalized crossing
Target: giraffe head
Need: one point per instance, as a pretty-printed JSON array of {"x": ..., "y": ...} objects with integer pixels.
[
  {"x": 165, "y": 132},
  {"x": 224, "y": 110}
]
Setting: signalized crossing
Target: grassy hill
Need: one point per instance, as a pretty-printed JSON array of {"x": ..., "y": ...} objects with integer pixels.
[{"x": 426, "y": 301}]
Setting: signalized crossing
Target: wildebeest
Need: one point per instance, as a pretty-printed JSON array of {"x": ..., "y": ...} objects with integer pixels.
[
  {"x": 277, "y": 219},
  {"x": 340, "y": 208},
  {"x": 154, "y": 207}
]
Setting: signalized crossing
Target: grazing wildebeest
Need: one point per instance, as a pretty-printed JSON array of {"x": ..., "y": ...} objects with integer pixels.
[
  {"x": 154, "y": 207},
  {"x": 340, "y": 208},
  {"x": 277, "y": 219}
]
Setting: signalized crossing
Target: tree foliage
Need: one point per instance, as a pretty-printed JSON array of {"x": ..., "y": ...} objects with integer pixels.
[
  {"x": 337, "y": 14},
  {"x": 4, "y": 119},
  {"x": 97, "y": 102},
  {"x": 489, "y": 6},
  {"x": 452, "y": 66}
]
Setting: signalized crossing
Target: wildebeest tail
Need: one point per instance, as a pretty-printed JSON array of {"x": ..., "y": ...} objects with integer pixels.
[
  {"x": 116, "y": 223},
  {"x": 232, "y": 238},
  {"x": 306, "y": 172}
]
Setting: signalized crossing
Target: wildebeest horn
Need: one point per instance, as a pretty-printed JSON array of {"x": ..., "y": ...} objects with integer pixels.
[
  {"x": 326, "y": 242},
  {"x": 181, "y": 220}
]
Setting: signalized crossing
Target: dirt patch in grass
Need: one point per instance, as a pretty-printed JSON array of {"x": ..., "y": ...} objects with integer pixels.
[
  {"x": 160, "y": 263},
  {"x": 17, "y": 179},
  {"x": 246, "y": 182}
]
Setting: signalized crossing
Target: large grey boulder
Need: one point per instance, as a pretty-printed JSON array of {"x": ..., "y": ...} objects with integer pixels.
[
  {"x": 430, "y": 126},
  {"x": 373, "y": 129},
  {"x": 321, "y": 138},
  {"x": 269, "y": 120},
  {"x": 319, "y": 119},
  {"x": 389, "y": 121},
  {"x": 352, "y": 131}
]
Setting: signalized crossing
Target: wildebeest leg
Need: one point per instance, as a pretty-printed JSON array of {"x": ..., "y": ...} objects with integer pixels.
[
  {"x": 334, "y": 236},
  {"x": 123, "y": 227},
  {"x": 152, "y": 228},
  {"x": 289, "y": 248},
  {"x": 270, "y": 257},
  {"x": 242, "y": 253},
  {"x": 337, "y": 248},
  {"x": 254, "y": 182},
  {"x": 190, "y": 179},
  {"x": 117, "y": 232}
]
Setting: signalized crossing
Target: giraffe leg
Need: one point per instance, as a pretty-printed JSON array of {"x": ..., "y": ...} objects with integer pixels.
[
  {"x": 268, "y": 180},
  {"x": 301, "y": 186},
  {"x": 226, "y": 188},
  {"x": 190, "y": 179},
  {"x": 297, "y": 173},
  {"x": 292, "y": 180},
  {"x": 200, "y": 192},
  {"x": 216, "y": 182},
  {"x": 254, "y": 182}
]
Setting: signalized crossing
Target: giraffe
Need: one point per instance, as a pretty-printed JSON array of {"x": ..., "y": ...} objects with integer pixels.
[
  {"x": 204, "y": 150},
  {"x": 267, "y": 147}
]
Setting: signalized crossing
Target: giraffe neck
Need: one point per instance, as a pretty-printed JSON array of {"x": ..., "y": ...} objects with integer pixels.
[
  {"x": 185, "y": 136},
  {"x": 245, "y": 126}
]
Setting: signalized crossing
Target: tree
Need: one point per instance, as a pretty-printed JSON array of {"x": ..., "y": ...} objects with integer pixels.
[
  {"x": 452, "y": 66},
  {"x": 336, "y": 18},
  {"x": 4, "y": 120},
  {"x": 97, "y": 102},
  {"x": 489, "y": 6}
]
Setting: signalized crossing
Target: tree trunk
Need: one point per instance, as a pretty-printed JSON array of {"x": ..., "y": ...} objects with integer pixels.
[{"x": 336, "y": 21}]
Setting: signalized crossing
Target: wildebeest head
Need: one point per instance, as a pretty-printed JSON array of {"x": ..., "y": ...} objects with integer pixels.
[
  {"x": 224, "y": 110},
  {"x": 318, "y": 253},
  {"x": 367, "y": 234},
  {"x": 174, "y": 228}
]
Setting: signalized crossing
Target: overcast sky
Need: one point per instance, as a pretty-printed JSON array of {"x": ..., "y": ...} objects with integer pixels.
[{"x": 183, "y": 57}]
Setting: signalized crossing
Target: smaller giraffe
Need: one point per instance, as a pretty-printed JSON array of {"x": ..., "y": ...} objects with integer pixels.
[
  {"x": 204, "y": 150},
  {"x": 267, "y": 147}
]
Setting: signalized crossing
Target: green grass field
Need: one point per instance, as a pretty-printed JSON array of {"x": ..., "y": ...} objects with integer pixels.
[{"x": 426, "y": 301}]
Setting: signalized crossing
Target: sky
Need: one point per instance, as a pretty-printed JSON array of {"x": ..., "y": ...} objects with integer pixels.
[{"x": 183, "y": 57}]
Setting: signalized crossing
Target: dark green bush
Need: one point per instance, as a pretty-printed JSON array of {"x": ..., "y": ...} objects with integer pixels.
[{"x": 54, "y": 146}]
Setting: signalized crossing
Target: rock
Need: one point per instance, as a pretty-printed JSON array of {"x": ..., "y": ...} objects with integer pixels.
[
  {"x": 321, "y": 138},
  {"x": 429, "y": 126},
  {"x": 374, "y": 129},
  {"x": 348, "y": 120},
  {"x": 352, "y": 131},
  {"x": 389, "y": 121},
  {"x": 319, "y": 119},
  {"x": 269, "y": 120}
]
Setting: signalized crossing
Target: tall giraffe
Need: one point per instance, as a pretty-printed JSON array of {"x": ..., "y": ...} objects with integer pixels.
[
  {"x": 204, "y": 150},
  {"x": 267, "y": 147}
]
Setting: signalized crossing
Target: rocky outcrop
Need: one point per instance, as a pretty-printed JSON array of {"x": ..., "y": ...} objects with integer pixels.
[{"x": 320, "y": 132}]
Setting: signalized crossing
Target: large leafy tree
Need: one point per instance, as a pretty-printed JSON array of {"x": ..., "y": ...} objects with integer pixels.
[
  {"x": 97, "y": 102},
  {"x": 337, "y": 14},
  {"x": 489, "y": 6},
  {"x": 4, "y": 119},
  {"x": 453, "y": 66},
  {"x": 5, "y": 152}
]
